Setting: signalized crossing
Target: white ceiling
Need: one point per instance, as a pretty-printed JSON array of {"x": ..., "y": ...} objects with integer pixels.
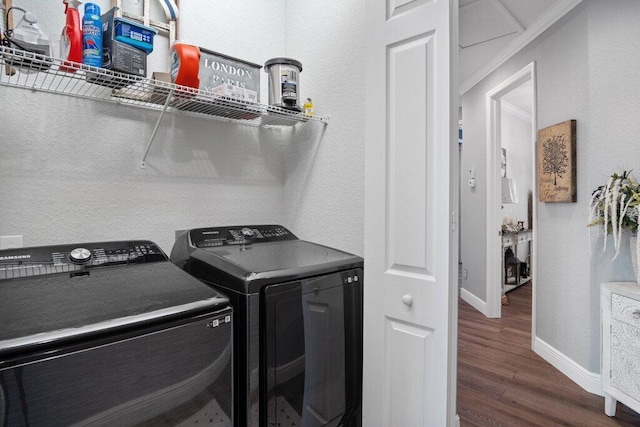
[
  {"x": 520, "y": 99},
  {"x": 494, "y": 29}
]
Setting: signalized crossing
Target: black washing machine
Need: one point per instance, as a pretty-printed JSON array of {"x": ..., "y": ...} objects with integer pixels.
[
  {"x": 298, "y": 324},
  {"x": 110, "y": 333}
]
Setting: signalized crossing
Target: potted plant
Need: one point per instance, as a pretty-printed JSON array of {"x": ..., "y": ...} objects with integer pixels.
[{"x": 614, "y": 208}]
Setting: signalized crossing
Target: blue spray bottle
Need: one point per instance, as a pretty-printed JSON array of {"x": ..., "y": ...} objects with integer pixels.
[{"x": 92, "y": 35}]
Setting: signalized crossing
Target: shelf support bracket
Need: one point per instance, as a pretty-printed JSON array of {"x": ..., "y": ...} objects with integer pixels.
[{"x": 155, "y": 129}]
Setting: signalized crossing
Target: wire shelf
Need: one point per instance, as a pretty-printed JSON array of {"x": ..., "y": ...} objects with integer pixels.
[{"x": 42, "y": 73}]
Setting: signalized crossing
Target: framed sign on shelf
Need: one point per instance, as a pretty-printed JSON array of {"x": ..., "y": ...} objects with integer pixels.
[{"x": 556, "y": 153}]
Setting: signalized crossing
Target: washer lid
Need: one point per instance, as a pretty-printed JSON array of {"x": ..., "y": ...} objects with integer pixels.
[
  {"x": 66, "y": 303},
  {"x": 246, "y": 268}
]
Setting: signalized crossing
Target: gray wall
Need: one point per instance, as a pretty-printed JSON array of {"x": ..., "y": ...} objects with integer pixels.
[
  {"x": 587, "y": 70},
  {"x": 516, "y": 139}
]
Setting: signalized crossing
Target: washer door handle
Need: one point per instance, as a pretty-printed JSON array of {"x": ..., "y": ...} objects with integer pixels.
[{"x": 407, "y": 300}]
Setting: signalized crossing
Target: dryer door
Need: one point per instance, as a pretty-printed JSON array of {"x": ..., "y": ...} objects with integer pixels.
[{"x": 312, "y": 343}]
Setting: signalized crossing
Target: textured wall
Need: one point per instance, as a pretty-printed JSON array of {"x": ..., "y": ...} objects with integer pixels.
[
  {"x": 70, "y": 168},
  {"x": 70, "y": 171},
  {"x": 585, "y": 65},
  {"x": 324, "y": 190},
  {"x": 613, "y": 132}
]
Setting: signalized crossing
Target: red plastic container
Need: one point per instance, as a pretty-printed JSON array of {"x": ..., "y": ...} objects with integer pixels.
[
  {"x": 185, "y": 65},
  {"x": 72, "y": 36}
]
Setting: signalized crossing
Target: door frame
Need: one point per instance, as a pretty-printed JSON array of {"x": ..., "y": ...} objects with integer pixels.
[{"x": 494, "y": 191}]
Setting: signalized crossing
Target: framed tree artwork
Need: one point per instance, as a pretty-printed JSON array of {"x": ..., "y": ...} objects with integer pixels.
[{"x": 556, "y": 152}]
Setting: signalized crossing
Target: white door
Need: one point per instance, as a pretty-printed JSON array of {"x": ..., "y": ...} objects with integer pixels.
[{"x": 410, "y": 206}]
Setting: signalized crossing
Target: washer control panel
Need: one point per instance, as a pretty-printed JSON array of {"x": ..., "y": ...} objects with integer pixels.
[
  {"x": 42, "y": 260},
  {"x": 238, "y": 235}
]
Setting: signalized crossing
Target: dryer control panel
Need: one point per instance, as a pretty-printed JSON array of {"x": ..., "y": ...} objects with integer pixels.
[{"x": 239, "y": 235}]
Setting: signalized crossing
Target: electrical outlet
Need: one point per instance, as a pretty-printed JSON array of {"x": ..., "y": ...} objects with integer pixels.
[
  {"x": 10, "y": 242},
  {"x": 465, "y": 274}
]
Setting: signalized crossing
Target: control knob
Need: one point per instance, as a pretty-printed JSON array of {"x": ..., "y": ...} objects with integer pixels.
[
  {"x": 80, "y": 255},
  {"x": 248, "y": 233}
]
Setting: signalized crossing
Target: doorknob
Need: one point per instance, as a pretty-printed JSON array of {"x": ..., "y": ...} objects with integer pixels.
[{"x": 407, "y": 300}]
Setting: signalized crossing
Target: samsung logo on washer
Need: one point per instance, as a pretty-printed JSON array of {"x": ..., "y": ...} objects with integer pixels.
[{"x": 14, "y": 257}]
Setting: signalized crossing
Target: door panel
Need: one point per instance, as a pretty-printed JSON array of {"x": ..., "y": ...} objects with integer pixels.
[
  {"x": 408, "y": 157},
  {"x": 406, "y": 378},
  {"x": 396, "y": 7},
  {"x": 409, "y": 367}
]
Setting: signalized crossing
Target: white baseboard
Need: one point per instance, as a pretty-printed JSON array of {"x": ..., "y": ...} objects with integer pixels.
[
  {"x": 474, "y": 301},
  {"x": 590, "y": 381}
]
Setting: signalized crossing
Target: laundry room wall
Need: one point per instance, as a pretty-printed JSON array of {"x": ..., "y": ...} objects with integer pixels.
[
  {"x": 70, "y": 168},
  {"x": 324, "y": 188}
]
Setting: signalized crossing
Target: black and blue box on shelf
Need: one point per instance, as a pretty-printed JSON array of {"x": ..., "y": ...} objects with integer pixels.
[{"x": 119, "y": 54}]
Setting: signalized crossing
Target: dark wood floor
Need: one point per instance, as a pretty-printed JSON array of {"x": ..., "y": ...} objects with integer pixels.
[{"x": 502, "y": 382}]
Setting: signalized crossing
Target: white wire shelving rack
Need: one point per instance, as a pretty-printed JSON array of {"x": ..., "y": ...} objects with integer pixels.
[{"x": 28, "y": 70}]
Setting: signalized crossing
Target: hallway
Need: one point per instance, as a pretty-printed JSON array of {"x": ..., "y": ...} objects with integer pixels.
[{"x": 502, "y": 382}]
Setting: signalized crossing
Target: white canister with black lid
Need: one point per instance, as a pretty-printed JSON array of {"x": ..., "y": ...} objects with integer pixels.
[{"x": 284, "y": 82}]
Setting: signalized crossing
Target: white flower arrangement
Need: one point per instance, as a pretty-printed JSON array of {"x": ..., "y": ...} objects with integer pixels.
[{"x": 614, "y": 207}]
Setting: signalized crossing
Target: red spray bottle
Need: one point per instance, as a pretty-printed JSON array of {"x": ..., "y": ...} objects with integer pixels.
[{"x": 72, "y": 35}]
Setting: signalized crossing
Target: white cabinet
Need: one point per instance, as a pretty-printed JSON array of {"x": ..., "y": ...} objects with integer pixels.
[{"x": 620, "y": 310}]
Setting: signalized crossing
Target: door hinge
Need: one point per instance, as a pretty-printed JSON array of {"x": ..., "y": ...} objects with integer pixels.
[{"x": 453, "y": 221}]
